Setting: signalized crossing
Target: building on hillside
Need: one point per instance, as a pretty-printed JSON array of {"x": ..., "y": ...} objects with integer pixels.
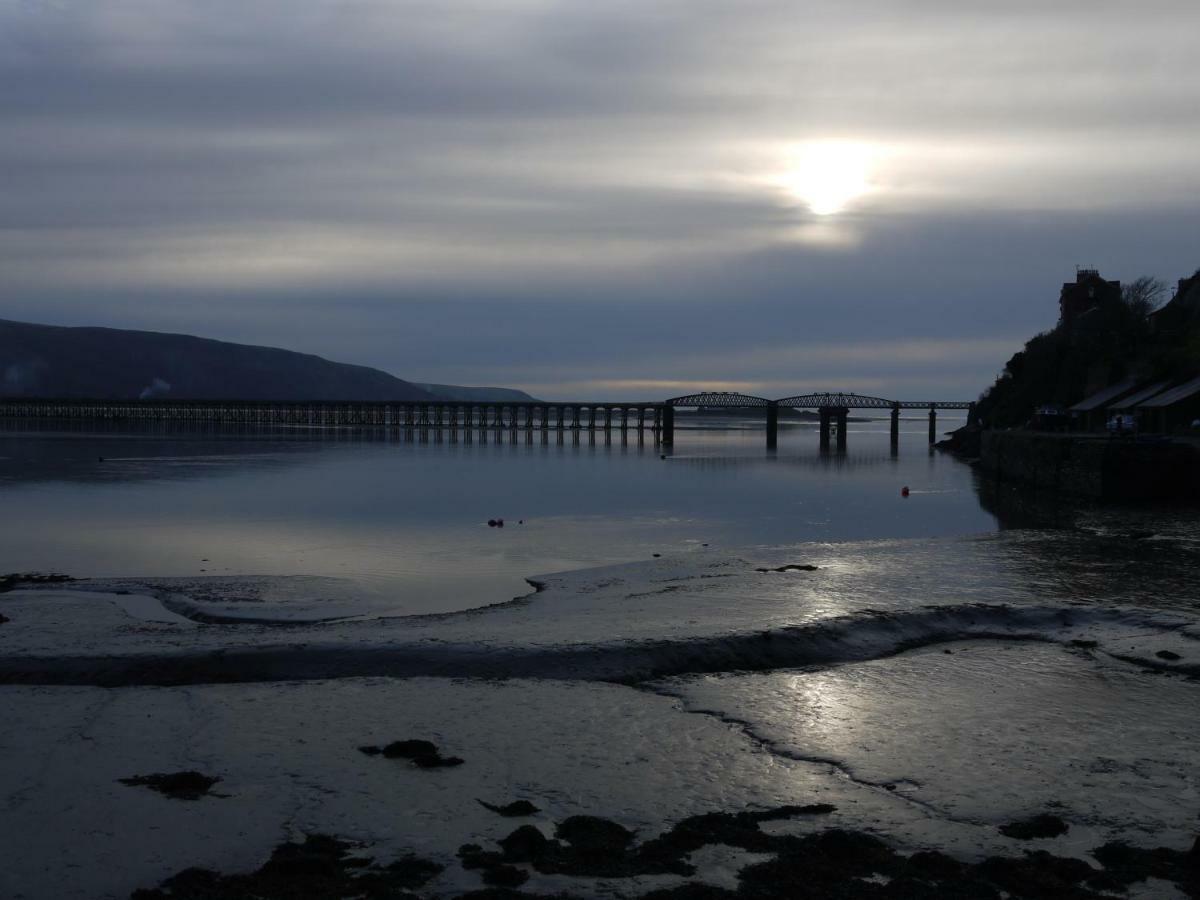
[
  {"x": 1180, "y": 311},
  {"x": 1131, "y": 404},
  {"x": 1091, "y": 413},
  {"x": 1172, "y": 410},
  {"x": 1084, "y": 294}
]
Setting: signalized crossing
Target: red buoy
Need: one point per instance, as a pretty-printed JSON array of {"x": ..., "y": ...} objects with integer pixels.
[{"x": 904, "y": 491}]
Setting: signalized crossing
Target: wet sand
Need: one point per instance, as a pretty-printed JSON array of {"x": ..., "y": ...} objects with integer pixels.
[{"x": 867, "y": 727}]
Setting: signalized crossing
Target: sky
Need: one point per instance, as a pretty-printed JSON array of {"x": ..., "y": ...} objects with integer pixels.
[{"x": 618, "y": 200}]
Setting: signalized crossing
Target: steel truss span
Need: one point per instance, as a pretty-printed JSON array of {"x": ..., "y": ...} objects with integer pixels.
[
  {"x": 826, "y": 400},
  {"x": 719, "y": 398}
]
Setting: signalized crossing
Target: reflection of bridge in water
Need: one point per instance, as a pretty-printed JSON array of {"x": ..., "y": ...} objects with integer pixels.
[
  {"x": 657, "y": 418},
  {"x": 833, "y": 410}
]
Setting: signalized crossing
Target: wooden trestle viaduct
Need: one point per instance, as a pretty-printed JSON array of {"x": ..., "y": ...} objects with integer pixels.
[{"x": 657, "y": 418}]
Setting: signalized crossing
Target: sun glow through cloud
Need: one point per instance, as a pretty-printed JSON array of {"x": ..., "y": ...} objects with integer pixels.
[{"x": 829, "y": 175}]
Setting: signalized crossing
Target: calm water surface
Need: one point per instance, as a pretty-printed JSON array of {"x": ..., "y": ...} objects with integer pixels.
[{"x": 405, "y": 519}]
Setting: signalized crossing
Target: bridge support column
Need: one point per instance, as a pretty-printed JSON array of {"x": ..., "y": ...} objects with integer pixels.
[
  {"x": 842, "y": 416},
  {"x": 825, "y": 414},
  {"x": 932, "y": 425},
  {"x": 772, "y": 426},
  {"x": 895, "y": 428},
  {"x": 668, "y": 426}
]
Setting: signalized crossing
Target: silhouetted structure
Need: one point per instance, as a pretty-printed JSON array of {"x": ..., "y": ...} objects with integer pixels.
[
  {"x": 1084, "y": 294},
  {"x": 655, "y": 417}
]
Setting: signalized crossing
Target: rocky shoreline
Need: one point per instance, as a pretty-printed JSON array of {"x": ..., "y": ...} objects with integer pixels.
[{"x": 832, "y": 864}]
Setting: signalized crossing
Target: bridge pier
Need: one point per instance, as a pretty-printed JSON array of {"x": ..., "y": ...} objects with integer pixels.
[
  {"x": 895, "y": 427},
  {"x": 772, "y": 426},
  {"x": 834, "y": 416},
  {"x": 668, "y": 426},
  {"x": 932, "y": 425}
]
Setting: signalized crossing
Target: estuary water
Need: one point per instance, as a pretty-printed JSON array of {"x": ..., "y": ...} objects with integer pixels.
[
  {"x": 400, "y": 519},
  {"x": 725, "y": 629}
]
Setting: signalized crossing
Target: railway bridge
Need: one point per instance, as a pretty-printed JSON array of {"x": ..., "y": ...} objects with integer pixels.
[
  {"x": 833, "y": 410},
  {"x": 654, "y": 417}
]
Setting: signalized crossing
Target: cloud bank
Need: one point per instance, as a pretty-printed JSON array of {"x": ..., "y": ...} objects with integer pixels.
[{"x": 577, "y": 198}]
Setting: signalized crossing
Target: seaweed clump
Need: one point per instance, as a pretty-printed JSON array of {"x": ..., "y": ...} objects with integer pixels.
[
  {"x": 423, "y": 754},
  {"x": 177, "y": 785},
  {"x": 318, "y": 868}
]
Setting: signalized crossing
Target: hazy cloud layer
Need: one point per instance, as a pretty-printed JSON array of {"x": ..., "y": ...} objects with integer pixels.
[{"x": 595, "y": 199}]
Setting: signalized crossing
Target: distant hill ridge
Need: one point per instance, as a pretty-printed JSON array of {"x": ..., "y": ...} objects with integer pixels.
[
  {"x": 120, "y": 364},
  {"x": 485, "y": 394}
]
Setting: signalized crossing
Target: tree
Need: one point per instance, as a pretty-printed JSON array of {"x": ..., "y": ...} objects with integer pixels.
[{"x": 1143, "y": 295}]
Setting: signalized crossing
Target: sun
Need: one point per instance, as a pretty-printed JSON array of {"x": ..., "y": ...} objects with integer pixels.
[{"x": 828, "y": 175}]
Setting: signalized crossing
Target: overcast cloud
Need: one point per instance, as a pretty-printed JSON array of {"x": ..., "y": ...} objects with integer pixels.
[{"x": 596, "y": 199}]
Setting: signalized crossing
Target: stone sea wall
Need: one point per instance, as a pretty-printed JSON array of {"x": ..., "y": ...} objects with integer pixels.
[{"x": 1093, "y": 466}]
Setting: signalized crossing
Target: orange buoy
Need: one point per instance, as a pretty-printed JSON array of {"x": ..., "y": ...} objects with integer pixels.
[{"x": 904, "y": 491}]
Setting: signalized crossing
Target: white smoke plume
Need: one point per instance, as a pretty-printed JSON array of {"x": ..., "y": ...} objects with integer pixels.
[{"x": 156, "y": 388}]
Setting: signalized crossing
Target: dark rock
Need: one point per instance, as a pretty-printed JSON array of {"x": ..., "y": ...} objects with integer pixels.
[
  {"x": 526, "y": 844},
  {"x": 909, "y": 888},
  {"x": 412, "y": 871},
  {"x": 1038, "y": 874},
  {"x": 4, "y": 618},
  {"x": 318, "y": 868},
  {"x": 423, "y": 754},
  {"x": 435, "y": 761},
  {"x": 493, "y": 893},
  {"x": 796, "y": 567},
  {"x": 1168, "y": 655},
  {"x": 1126, "y": 865},
  {"x": 473, "y": 856},
  {"x": 667, "y": 851},
  {"x": 933, "y": 864},
  {"x": 1040, "y": 826},
  {"x": 829, "y": 864},
  {"x": 512, "y": 810},
  {"x": 505, "y": 876},
  {"x": 177, "y": 785},
  {"x": 692, "y": 891},
  {"x": 592, "y": 834},
  {"x": 409, "y": 749}
]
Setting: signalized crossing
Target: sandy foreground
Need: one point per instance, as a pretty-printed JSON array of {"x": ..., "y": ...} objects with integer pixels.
[{"x": 926, "y": 707}]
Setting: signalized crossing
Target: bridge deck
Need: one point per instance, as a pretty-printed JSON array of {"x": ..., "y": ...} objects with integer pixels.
[{"x": 655, "y": 416}]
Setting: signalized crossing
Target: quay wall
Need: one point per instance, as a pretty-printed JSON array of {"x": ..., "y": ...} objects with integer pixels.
[{"x": 1093, "y": 466}]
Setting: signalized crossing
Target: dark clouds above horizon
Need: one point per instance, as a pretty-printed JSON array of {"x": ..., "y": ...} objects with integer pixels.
[{"x": 595, "y": 199}]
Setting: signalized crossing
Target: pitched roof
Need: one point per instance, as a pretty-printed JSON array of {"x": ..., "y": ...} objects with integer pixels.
[
  {"x": 1175, "y": 394},
  {"x": 1101, "y": 398},
  {"x": 1144, "y": 394}
]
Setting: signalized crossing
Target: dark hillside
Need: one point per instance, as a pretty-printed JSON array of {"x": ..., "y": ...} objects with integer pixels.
[
  {"x": 1118, "y": 336},
  {"x": 109, "y": 363}
]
